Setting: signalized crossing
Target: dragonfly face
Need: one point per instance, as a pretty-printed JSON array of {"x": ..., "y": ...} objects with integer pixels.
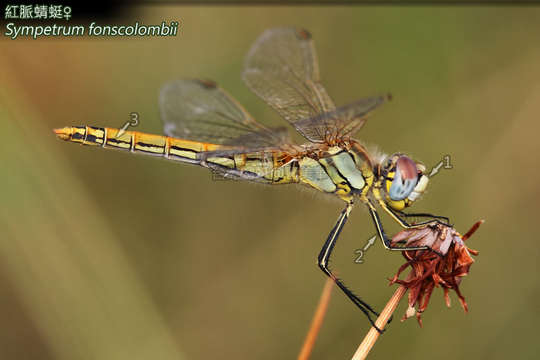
[
  {"x": 402, "y": 181},
  {"x": 205, "y": 126}
]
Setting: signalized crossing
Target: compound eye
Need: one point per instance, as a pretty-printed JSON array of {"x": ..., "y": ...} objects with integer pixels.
[{"x": 405, "y": 178}]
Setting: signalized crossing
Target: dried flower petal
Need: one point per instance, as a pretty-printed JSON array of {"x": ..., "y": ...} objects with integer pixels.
[{"x": 444, "y": 267}]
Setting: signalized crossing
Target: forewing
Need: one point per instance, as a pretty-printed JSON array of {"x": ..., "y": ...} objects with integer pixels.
[
  {"x": 281, "y": 68},
  {"x": 199, "y": 110},
  {"x": 343, "y": 121}
]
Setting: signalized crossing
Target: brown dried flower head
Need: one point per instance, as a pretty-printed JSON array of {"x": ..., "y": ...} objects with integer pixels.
[{"x": 445, "y": 266}]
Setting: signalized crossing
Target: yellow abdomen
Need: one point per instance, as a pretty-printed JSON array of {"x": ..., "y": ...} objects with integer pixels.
[{"x": 267, "y": 166}]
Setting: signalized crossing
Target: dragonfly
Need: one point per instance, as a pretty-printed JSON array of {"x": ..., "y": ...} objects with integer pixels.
[{"x": 205, "y": 126}]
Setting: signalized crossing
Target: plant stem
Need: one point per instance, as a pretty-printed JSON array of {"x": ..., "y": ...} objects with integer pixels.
[
  {"x": 317, "y": 321},
  {"x": 372, "y": 335}
]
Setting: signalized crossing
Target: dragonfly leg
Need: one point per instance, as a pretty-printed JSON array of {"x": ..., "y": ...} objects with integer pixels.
[
  {"x": 434, "y": 218},
  {"x": 386, "y": 241},
  {"x": 382, "y": 235},
  {"x": 324, "y": 257},
  {"x": 399, "y": 215}
]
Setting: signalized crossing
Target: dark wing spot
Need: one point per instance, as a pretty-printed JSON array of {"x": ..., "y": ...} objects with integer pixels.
[
  {"x": 208, "y": 84},
  {"x": 303, "y": 34}
]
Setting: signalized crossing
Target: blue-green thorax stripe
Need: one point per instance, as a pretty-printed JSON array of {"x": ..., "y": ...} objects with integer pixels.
[{"x": 347, "y": 168}]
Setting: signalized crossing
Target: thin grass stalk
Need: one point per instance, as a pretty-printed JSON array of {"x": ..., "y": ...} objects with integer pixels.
[
  {"x": 372, "y": 335},
  {"x": 317, "y": 321}
]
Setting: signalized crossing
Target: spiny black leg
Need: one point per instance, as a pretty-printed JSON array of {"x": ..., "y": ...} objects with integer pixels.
[
  {"x": 382, "y": 235},
  {"x": 397, "y": 216},
  {"x": 386, "y": 241},
  {"x": 432, "y": 217},
  {"x": 324, "y": 257}
]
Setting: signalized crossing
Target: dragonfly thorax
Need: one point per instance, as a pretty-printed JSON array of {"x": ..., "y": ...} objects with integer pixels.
[{"x": 341, "y": 170}]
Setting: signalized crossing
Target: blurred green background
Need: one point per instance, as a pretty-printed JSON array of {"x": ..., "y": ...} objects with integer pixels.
[{"x": 106, "y": 255}]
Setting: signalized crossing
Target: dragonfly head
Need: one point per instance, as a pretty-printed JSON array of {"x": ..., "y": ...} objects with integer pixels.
[{"x": 403, "y": 181}]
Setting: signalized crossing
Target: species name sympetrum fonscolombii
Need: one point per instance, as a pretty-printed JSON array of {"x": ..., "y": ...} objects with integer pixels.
[{"x": 204, "y": 126}]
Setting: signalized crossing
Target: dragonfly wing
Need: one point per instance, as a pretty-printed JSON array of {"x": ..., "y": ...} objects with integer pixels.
[
  {"x": 281, "y": 68},
  {"x": 345, "y": 119},
  {"x": 199, "y": 110},
  {"x": 262, "y": 139}
]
